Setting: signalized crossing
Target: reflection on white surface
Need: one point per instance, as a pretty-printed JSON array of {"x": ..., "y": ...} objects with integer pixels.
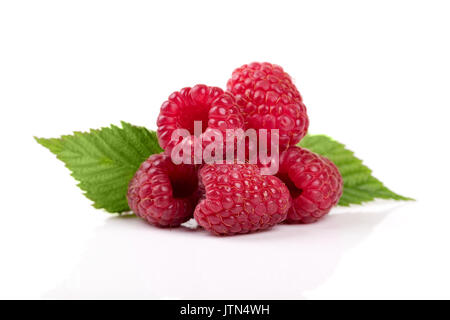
[{"x": 127, "y": 258}]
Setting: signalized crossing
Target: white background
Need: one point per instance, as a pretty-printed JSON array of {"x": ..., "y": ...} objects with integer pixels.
[{"x": 374, "y": 75}]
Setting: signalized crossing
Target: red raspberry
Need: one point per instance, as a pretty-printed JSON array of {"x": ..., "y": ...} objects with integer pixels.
[
  {"x": 269, "y": 100},
  {"x": 210, "y": 105},
  {"x": 237, "y": 199},
  {"x": 162, "y": 193},
  {"x": 314, "y": 182}
]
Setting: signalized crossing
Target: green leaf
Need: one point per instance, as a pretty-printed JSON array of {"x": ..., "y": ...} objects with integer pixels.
[
  {"x": 105, "y": 160},
  {"x": 359, "y": 184}
]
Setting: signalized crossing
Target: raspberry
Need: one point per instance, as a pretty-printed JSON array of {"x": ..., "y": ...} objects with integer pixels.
[
  {"x": 210, "y": 105},
  {"x": 314, "y": 182},
  {"x": 162, "y": 193},
  {"x": 238, "y": 199},
  {"x": 269, "y": 100}
]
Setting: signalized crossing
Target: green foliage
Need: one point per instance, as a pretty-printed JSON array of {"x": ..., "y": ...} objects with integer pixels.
[
  {"x": 359, "y": 184},
  {"x": 105, "y": 160}
]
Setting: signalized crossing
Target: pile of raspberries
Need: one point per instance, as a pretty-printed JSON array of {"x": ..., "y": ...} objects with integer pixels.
[{"x": 235, "y": 198}]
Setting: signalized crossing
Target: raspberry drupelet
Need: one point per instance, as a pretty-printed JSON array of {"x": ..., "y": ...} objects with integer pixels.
[
  {"x": 162, "y": 193},
  {"x": 314, "y": 182},
  {"x": 238, "y": 199},
  {"x": 269, "y": 100},
  {"x": 212, "y": 106}
]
